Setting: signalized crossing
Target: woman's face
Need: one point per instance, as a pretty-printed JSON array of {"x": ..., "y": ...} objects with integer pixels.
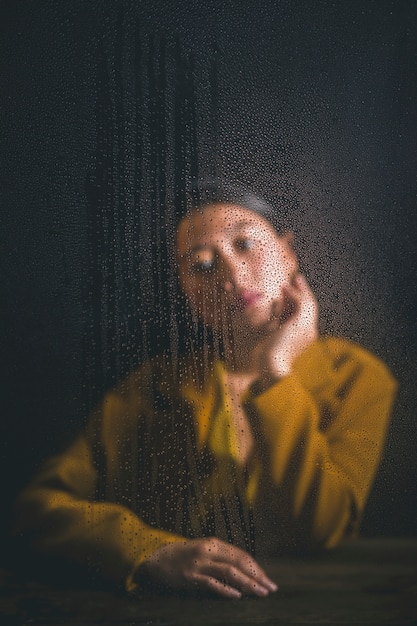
[{"x": 232, "y": 266}]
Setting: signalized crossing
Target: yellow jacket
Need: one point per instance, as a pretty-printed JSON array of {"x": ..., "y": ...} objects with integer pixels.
[{"x": 147, "y": 469}]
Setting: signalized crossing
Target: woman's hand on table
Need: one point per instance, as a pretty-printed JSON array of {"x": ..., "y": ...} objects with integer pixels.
[{"x": 209, "y": 565}]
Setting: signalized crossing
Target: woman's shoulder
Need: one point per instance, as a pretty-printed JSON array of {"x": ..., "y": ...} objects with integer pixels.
[
  {"x": 330, "y": 358},
  {"x": 341, "y": 350}
]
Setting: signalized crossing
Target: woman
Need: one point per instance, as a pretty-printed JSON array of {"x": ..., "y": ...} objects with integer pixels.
[{"x": 188, "y": 470}]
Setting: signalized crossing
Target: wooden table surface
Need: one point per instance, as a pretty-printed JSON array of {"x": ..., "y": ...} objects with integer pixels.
[{"x": 371, "y": 581}]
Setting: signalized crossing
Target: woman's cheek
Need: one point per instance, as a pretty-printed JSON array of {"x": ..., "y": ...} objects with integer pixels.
[{"x": 274, "y": 277}]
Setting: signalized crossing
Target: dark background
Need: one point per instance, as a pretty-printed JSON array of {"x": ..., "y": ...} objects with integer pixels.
[{"x": 313, "y": 104}]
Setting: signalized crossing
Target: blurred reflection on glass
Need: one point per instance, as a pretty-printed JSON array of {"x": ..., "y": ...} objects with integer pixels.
[{"x": 263, "y": 438}]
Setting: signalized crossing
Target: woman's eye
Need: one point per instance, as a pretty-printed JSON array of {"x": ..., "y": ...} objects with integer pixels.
[
  {"x": 203, "y": 267},
  {"x": 243, "y": 243}
]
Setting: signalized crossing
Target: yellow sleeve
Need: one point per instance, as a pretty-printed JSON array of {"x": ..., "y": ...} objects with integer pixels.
[
  {"x": 322, "y": 430},
  {"x": 59, "y": 514}
]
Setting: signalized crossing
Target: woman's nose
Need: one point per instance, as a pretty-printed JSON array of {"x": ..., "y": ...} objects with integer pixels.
[{"x": 233, "y": 275}]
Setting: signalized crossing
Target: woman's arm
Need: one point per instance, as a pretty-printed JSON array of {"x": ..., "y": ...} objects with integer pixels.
[
  {"x": 322, "y": 430},
  {"x": 58, "y": 515}
]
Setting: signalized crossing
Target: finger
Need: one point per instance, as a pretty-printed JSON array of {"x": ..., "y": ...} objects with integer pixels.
[
  {"x": 245, "y": 562},
  {"x": 292, "y": 290},
  {"x": 216, "y": 586},
  {"x": 300, "y": 281},
  {"x": 250, "y": 567},
  {"x": 274, "y": 322},
  {"x": 302, "y": 286},
  {"x": 234, "y": 577},
  {"x": 300, "y": 291},
  {"x": 291, "y": 305},
  {"x": 306, "y": 295}
]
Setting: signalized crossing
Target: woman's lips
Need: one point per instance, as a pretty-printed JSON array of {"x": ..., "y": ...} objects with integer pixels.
[{"x": 247, "y": 299}]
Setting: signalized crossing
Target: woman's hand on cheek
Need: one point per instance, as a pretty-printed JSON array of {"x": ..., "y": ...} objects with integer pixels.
[
  {"x": 292, "y": 330},
  {"x": 208, "y": 565}
]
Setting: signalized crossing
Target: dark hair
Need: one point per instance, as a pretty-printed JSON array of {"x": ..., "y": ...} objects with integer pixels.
[{"x": 208, "y": 191}]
